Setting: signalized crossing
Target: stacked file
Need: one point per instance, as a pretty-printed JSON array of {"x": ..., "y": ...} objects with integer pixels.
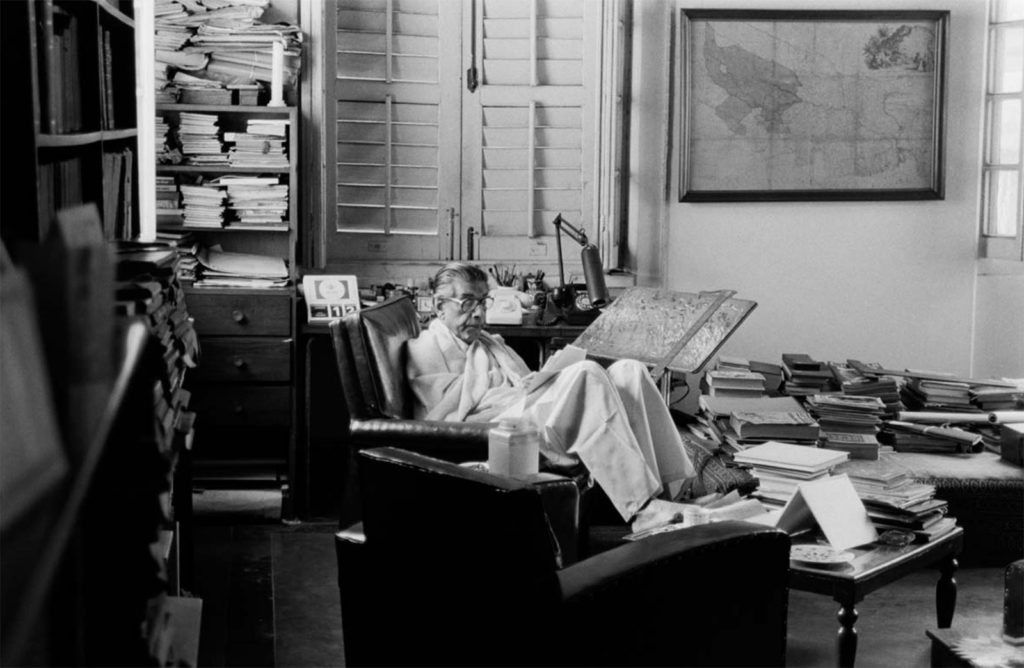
[
  {"x": 989, "y": 398},
  {"x": 791, "y": 425},
  {"x": 199, "y": 137},
  {"x": 854, "y": 379},
  {"x": 781, "y": 467},
  {"x": 937, "y": 395},
  {"x": 804, "y": 375},
  {"x": 204, "y": 205},
  {"x": 914, "y": 437},
  {"x": 169, "y": 210},
  {"x": 734, "y": 383},
  {"x": 263, "y": 144},
  {"x": 714, "y": 416},
  {"x": 258, "y": 203},
  {"x": 848, "y": 423},
  {"x": 772, "y": 373}
]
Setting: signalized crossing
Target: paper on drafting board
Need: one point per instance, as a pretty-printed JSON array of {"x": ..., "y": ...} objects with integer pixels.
[
  {"x": 645, "y": 324},
  {"x": 834, "y": 505}
]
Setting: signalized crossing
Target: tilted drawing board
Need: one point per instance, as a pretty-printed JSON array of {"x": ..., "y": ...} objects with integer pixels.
[{"x": 677, "y": 331}]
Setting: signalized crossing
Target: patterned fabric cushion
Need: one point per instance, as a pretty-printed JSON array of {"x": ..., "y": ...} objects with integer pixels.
[{"x": 713, "y": 472}]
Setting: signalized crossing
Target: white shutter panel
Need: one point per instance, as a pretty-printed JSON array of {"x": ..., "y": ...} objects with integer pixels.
[
  {"x": 530, "y": 127},
  {"x": 397, "y": 129}
]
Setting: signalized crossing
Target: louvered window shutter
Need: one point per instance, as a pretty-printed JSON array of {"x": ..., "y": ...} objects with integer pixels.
[
  {"x": 397, "y": 128},
  {"x": 530, "y": 127}
]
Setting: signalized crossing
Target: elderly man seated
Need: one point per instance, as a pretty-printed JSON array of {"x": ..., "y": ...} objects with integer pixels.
[{"x": 612, "y": 420}]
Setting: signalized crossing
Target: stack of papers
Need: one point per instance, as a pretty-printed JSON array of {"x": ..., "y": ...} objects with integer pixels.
[
  {"x": 242, "y": 270},
  {"x": 781, "y": 467}
]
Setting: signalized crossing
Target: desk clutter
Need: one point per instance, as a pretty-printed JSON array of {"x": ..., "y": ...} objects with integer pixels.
[{"x": 800, "y": 423}]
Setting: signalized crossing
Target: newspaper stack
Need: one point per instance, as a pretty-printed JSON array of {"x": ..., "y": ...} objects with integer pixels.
[
  {"x": 228, "y": 38},
  {"x": 199, "y": 137},
  {"x": 204, "y": 205},
  {"x": 256, "y": 200},
  {"x": 262, "y": 145}
]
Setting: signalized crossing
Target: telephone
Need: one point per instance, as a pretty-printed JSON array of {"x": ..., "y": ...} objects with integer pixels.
[
  {"x": 577, "y": 308},
  {"x": 506, "y": 309}
]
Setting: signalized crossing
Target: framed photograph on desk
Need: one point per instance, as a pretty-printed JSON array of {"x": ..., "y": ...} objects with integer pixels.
[{"x": 811, "y": 105}]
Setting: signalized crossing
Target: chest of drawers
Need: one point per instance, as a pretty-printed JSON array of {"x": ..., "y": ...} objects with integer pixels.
[{"x": 242, "y": 388}]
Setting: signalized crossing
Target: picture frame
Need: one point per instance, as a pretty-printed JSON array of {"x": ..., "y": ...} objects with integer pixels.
[{"x": 811, "y": 105}]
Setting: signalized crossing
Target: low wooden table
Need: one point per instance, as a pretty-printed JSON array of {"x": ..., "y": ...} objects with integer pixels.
[{"x": 873, "y": 567}]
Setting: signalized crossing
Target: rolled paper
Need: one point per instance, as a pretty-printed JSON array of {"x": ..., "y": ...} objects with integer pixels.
[{"x": 277, "y": 75}]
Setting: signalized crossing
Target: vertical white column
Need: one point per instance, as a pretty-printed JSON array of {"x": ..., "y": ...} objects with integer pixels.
[
  {"x": 277, "y": 75},
  {"x": 145, "y": 112}
]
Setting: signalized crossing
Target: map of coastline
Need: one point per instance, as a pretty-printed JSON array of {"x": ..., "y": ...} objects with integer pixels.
[{"x": 811, "y": 105}]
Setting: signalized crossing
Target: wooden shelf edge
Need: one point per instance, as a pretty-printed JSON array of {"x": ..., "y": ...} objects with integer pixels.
[
  {"x": 220, "y": 169},
  {"x": 42, "y": 576},
  {"x": 115, "y": 13},
  {"x": 212, "y": 108}
]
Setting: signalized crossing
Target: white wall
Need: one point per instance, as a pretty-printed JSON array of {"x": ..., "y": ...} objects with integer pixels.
[{"x": 892, "y": 282}]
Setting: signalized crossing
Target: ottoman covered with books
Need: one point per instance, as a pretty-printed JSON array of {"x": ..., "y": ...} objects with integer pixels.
[{"x": 985, "y": 495}]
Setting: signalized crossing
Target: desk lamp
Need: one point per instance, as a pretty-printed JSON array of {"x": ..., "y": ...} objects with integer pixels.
[{"x": 593, "y": 272}]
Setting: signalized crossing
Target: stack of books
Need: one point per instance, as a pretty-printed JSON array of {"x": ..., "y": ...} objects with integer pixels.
[
  {"x": 937, "y": 395},
  {"x": 791, "y": 425},
  {"x": 734, "y": 383},
  {"x": 894, "y": 500},
  {"x": 914, "y": 437},
  {"x": 204, "y": 205},
  {"x": 199, "y": 138},
  {"x": 259, "y": 201},
  {"x": 715, "y": 414},
  {"x": 781, "y": 467},
  {"x": 848, "y": 423},
  {"x": 169, "y": 210},
  {"x": 804, "y": 375},
  {"x": 854, "y": 378},
  {"x": 262, "y": 145},
  {"x": 772, "y": 373},
  {"x": 989, "y": 398}
]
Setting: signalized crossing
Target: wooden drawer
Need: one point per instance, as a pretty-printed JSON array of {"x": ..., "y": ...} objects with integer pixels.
[
  {"x": 245, "y": 405},
  {"x": 241, "y": 314},
  {"x": 240, "y": 359}
]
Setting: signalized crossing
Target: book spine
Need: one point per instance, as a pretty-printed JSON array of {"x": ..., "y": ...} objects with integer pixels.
[{"x": 108, "y": 79}]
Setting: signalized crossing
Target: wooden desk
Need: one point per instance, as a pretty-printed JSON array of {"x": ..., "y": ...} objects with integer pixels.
[{"x": 873, "y": 567}]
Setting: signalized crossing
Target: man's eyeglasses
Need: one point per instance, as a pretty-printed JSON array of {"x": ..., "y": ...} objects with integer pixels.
[{"x": 469, "y": 304}]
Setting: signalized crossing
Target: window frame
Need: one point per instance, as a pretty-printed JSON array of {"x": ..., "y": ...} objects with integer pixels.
[{"x": 1001, "y": 249}]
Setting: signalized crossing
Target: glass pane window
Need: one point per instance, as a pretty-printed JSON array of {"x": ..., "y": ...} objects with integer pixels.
[
  {"x": 1004, "y": 132},
  {"x": 1002, "y": 205},
  {"x": 1007, "y": 59}
]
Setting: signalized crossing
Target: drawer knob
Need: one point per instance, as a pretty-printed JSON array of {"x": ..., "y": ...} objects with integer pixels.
[
  {"x": 238, "y": 316},
  {"x": 239, "y": 363}
]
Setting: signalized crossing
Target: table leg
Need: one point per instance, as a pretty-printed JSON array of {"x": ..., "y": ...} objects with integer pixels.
[
  {"x": 846, "y": 640},
  {"x": 945, "y": 594}
]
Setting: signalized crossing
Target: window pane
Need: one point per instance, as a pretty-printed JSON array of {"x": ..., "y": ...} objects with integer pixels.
[
  {"x": 1004, "y": 139},
  {"x": 1007, "y": 59},
  {"x": 1007, "y": 10},
  {"x": 1001, "y": 206}
]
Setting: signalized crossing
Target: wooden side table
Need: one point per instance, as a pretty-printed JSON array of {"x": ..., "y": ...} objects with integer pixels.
[{"x": 873, "y": 567}]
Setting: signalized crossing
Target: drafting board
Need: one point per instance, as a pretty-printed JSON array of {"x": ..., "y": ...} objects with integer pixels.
[{"x": 678, "y": 331}]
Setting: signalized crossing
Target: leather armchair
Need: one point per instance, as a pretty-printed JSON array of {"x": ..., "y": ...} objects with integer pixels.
[
  {"x": 370, "y": 348},
  {"x": 456, "y": 566}
]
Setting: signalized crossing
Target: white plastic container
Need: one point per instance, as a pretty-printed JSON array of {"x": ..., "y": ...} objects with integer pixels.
[{"x": 513, "y": 450}]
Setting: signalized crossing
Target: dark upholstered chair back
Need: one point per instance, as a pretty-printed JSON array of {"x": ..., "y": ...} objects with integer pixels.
[
  {"x": 370, "y": 347},
  {"x": 453, "y": 566}
]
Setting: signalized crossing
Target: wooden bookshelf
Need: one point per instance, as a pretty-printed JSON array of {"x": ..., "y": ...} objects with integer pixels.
[{"x": 74, "y": 138}]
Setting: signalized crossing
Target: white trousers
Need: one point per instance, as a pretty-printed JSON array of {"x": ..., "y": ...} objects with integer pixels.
[{"x": 617, "y": 424}]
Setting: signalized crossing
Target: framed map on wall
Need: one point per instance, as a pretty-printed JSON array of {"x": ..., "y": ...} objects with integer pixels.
[{"x": 811, "y": 105}]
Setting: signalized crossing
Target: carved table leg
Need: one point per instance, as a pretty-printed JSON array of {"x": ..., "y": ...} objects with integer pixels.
[
  {"x": 846, "y": 641},
  {"x": 945, "y": 594}
]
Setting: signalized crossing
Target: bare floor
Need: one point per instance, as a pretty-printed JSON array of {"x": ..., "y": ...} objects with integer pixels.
[{"x": 270, "y": 598}]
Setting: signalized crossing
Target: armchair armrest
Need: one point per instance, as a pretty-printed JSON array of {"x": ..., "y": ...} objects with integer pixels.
[
  {"x": 652, "y": 593},
  {"x": 451, "y": 441}
]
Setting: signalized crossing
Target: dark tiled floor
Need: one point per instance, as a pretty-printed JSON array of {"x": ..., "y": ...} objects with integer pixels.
[{"x": 270, "y": 598}]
